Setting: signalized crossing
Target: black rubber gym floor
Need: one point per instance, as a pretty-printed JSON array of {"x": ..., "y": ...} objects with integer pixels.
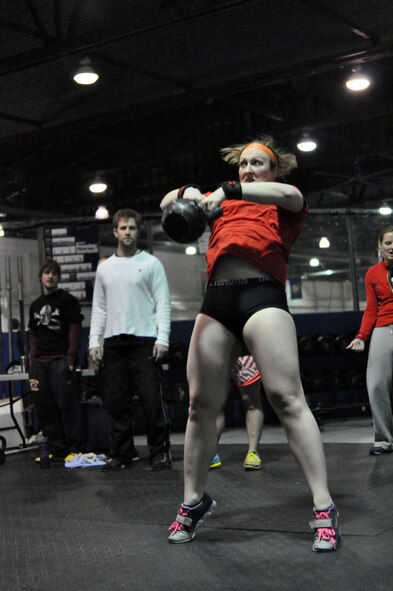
[{"x": 84, "y": 530}]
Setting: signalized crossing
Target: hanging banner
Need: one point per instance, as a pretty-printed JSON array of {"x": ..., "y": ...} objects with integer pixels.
[
  {"x": 76, "y": 250},
  {"x": 295, "y": 287}
]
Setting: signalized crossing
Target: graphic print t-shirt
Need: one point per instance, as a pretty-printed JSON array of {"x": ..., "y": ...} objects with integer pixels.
[{"x": 49, "y": 320}]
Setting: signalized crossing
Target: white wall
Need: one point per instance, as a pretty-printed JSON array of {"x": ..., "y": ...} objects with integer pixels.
[
  {"x": 186, "y": 278},
  {"x": 323, "y": 296}
]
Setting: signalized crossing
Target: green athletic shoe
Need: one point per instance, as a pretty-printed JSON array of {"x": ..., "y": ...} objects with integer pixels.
[{"x": 252, "y": 461}]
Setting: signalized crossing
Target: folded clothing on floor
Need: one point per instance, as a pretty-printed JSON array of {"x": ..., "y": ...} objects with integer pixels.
[{"x": 86, "y": 461}]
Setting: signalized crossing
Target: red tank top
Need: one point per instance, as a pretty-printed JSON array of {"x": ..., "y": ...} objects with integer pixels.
[{"x": 262, "y": 235}]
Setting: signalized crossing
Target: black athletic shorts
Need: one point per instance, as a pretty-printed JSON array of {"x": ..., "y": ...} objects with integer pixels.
[{"x": 233, "y": 301}]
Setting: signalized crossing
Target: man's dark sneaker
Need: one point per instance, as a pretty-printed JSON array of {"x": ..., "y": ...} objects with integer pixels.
[
  {"x": 378, "y": 450},
  {"x": 161, "y": 462},
  {"x": 114, "y": 464},
  {"x": 327, "y": 535},
  {"x": 188, "y": 519}
]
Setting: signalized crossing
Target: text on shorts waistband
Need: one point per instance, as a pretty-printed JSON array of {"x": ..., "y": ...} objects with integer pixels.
[{"x": 235, "y": 282}]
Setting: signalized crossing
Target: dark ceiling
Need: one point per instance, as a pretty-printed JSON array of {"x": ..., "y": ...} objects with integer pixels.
[{"x": 178, "y": 80}]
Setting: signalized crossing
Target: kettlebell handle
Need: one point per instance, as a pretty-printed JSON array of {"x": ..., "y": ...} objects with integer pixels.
[
  {"x": 214, "y": 214},
  {"x": 185, "y": 222}
]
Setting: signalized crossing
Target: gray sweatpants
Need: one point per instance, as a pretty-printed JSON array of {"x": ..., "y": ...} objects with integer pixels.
[{"x": 379, "y": 384}]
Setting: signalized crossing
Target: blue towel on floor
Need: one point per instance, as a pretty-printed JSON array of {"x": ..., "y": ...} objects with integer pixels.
[{"x": 86, "y": 461}]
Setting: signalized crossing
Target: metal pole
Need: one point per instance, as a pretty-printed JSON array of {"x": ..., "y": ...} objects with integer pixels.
[
  {"x": 21, "y": 308},
  {"x": 9, "y": 289},
  {"x": 10, "y": 353},
  {"x": 352, "y": 263},
  {"x": 1, "y": 328}
]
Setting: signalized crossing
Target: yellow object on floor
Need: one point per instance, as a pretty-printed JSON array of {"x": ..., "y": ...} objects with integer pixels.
[{"x": 252, "y": 461}]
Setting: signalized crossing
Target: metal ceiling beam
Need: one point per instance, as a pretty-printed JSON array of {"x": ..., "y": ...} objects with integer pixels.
[
  {"x": 58, "y": 18},
  {"x": 25, "y": 120},
  {"x": 340, "y": 20},
  {"x": 34, "y": 13},
  {"x": 128, "y": 65},
  {"x": 10, "y": 25},
  {"x": 74, "y": 19},
  {"x": 265, "y": 112},
  {"x": 17, "y": 212},
  {"x": 336, "y": 120}
]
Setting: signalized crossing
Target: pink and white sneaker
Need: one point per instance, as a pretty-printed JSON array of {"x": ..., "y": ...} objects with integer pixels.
[
  {"x": 188, "y": 519},
  {"x": 327, "y": 535}
]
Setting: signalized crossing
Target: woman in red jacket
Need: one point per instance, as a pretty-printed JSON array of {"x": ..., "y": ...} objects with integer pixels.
[
  {"x": 377, "y": 322},
  {"x": 245, "y": 303}
]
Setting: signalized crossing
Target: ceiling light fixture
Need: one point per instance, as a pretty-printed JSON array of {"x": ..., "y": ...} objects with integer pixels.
[
  {"x": 306, "y": 143},
  {"x": 357, "y": 81},
  {"x": 98, "y": 186},
  {"x": 102, "y": 213},
  {"x": 314, "y": 262},
  {"x": 85, "y": 74},
  {"x": 191, "y": 250},
  {"x": 385, "y": 210},
  {"x": 324, "y": 242}
]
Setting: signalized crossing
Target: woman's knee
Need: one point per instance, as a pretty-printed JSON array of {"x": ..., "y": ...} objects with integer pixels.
[
  {"x": 201, "y": 406},
  {"x": 287, "y": 404},
  {"x": 378, "y": 388}
]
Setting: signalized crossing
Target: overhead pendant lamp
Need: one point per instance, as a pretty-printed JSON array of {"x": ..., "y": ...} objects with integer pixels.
[
  {"x": 324, "y": 242},
  {"x": 191, "y": 250},
  {"x": 358, "y": 81},
  {"x": 306, "y": 143},
  {"x": 98, "y": 186},
  {"x": 385, "y": 210},
  {"x": 102, "y": 213},
  {"x": 85, "y": 74}
]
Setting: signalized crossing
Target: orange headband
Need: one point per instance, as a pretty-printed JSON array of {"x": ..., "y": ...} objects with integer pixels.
[{"x": 265, "y": 149}]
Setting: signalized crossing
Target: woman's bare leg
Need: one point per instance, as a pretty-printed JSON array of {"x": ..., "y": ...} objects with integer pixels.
[
  {"x": 212, "y": 354},
  {"x": 276, "y": 355},
  {"x": 220, "y": 424},
  {"x": 251, "y": 396}
]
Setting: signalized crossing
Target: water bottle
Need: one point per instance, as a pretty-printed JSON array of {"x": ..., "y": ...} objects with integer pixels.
[
  {"x": 43, "y": 452},
  {"x": 23, "y": 363}
]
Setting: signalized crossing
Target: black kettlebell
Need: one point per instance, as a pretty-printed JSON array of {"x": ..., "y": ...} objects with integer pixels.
[
  {"x": 185, "y": 221},
  {"x": 2, "y": 449}
]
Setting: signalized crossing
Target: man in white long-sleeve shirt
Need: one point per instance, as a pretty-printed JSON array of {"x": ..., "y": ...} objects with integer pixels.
[{"x": 131, "y": 311}]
